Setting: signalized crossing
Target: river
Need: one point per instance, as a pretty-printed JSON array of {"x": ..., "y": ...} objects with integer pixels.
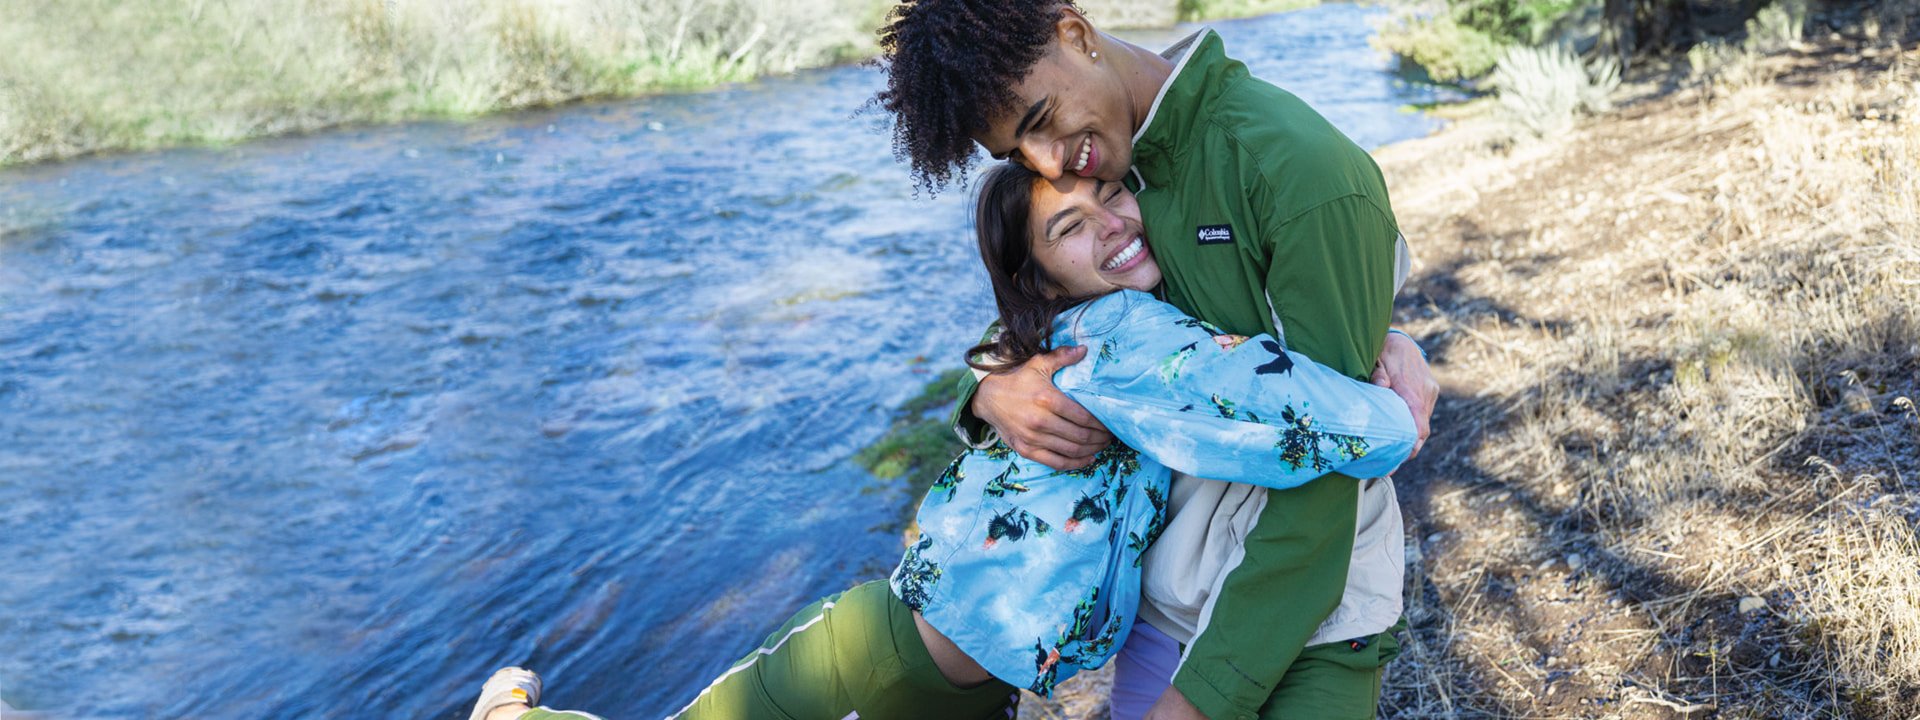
[{"x": 333, "y": 425}]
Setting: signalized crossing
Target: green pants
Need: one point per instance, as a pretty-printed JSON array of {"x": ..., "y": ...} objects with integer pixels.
[
  {"x": 1334, "y": 681},
  {"x": 852, "y": 655},
  {"x": 856, "y": 654},
  {"x": 1245, "y": 653}
]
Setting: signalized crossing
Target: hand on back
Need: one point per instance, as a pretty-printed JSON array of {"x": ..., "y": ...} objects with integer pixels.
[
  {"x": 1403, "y": 368},
  {"x": 1034, "y": 418}
]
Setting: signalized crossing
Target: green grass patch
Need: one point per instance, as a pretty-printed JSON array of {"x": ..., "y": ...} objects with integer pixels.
[
  {"x": 1446, "y": 49},
  {"x": 1194, "y": 10},
  {"x": 919, "y": 444},
  {"x": 80, "y": 76},
  {"x": 1463, "y": 40}
]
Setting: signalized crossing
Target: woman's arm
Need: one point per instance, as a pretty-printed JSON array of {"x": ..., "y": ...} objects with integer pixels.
[{"x": 1227, "y": 407}]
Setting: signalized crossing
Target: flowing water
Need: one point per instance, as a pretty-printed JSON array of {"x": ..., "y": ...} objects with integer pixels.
[{"x": 334, "y": 425}]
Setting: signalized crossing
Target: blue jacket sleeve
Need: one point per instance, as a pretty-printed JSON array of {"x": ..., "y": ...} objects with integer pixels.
[{"x": 1226, "y": 407}]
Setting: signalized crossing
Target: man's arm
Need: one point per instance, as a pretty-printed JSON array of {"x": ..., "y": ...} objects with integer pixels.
[
  {"x": 1031, "y": 416},
  {"x": 1331, "y": 285}
]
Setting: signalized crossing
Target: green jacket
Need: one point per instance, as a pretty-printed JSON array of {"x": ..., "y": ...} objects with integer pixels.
[{"x": 1264, "y": 218}]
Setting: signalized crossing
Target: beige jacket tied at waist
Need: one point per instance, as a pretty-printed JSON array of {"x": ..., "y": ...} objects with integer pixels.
[{"x": 1204, "y": 540}]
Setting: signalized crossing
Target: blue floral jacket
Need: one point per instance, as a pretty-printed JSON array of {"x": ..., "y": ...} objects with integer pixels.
[{"x": 1035, "y": 573}]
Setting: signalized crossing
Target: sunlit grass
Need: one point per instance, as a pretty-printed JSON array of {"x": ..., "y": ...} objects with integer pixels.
[
  {"x": 79, "y": 76},
  {"x": 1688, "y": 337},
  {"x": 1191, "y": 10}
]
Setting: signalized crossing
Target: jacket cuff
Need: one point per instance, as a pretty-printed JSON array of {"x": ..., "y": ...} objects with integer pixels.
[{"x": 972, "y": 431}]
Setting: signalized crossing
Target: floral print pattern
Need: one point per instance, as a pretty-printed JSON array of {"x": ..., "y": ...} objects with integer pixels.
[{"x": 1025, "y": 582}]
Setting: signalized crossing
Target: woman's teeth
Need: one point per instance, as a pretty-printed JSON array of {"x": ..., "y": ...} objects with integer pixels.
[
  {"x": 1086, "y": 150},
  {"x": 1124, "y": 256}
]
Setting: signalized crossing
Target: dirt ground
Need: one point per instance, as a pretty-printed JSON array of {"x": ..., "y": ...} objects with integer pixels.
[{"x": 1676, "y": 471}]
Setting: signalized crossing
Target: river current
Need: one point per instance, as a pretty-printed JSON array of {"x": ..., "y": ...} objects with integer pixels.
[{"x": 332, "y": 426}]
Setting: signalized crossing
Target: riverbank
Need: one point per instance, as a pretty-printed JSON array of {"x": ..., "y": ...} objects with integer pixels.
[
  {"x": 1674, "y": 468},
  {"x": 86, "y": 76}
]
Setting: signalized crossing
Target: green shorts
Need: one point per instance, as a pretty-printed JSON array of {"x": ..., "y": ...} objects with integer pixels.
[{"x": 852, "y": 655}]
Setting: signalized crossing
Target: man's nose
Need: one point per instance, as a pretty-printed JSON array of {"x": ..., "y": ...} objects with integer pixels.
[{"x": 1043, "y": 157}]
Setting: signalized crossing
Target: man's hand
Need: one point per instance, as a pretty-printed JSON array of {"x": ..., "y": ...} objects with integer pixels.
[
  {"x": 1173, "y": 706},
  {"x": 1404, "y": 369},
  {"x": 1037, "y": 420}
]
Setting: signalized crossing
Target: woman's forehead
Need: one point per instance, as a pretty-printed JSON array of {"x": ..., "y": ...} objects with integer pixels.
[{"x": 1065, "y": 186}]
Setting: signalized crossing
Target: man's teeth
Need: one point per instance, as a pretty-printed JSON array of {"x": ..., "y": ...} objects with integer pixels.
[
  {"x": 1086, "y": 149},
  {"x": 1132, "y": 249}
]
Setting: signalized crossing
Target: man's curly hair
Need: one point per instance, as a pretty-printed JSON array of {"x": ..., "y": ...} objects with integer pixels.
[{"x": 951, "y": 65}]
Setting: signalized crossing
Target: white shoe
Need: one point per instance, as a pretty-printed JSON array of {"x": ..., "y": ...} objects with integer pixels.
[{"x": 508, "y": 685}]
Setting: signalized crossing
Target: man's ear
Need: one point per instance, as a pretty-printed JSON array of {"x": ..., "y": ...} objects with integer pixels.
[{"x": 1073, "y": 31}]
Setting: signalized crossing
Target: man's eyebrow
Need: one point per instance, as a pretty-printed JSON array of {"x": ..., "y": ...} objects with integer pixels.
[{"x": 1026, "y": 122}]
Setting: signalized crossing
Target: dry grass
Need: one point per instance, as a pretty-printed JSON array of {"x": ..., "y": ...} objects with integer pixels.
[
  {"x": 79, "y": 76},
  {"x": 1681, "y": 347},
  {"x": 1678, "y": 473}
]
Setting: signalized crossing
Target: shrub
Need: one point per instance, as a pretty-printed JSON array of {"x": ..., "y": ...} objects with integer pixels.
[
  {"x": 1462, "y": 39},
  {"x": 1777, "y": 26},
  {"x": 1447, "y": 50},
  {"x": 1543, "y": 89}
]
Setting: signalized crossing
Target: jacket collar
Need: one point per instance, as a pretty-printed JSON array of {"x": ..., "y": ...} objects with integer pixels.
[{"x": 1199, "y": 65}]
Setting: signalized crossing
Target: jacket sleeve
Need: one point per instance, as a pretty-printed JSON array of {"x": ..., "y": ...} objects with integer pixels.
[
  {"x": 1226, "y": 407},
  {"x": 973, "y": 432}
]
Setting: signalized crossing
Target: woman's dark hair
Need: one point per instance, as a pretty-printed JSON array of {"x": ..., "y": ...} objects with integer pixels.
[
  {"x": 1020, "y": 285},
  {"x": 952, "y": 65}
]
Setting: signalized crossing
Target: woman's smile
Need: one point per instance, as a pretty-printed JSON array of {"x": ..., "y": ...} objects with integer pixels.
[{"x": 1125, "y": 257}]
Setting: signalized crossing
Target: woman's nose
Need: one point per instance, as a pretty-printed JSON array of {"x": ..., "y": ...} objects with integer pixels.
[{"x": 1111, "y": 224}]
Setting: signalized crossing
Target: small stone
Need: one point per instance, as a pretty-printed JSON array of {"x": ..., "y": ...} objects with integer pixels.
[
  {"x": 1857, "y": 401},
  {"x": 1434, "y": 538},
  {"x": 1752, "y": 604},
  {"x": 1575, "y": 561}
]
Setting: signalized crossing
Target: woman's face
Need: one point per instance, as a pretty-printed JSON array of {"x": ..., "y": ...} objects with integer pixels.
[{"x": 1087, "y": 235}]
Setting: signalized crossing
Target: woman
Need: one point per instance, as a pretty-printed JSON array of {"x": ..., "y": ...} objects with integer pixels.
[{"x": 1023, "y": 575}]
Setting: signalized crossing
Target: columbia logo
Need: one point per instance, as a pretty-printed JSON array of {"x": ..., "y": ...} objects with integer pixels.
[{"x": 1215, "y": 234}]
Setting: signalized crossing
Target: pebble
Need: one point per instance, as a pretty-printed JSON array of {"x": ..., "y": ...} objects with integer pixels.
[{"x": 1752, "y": 604}]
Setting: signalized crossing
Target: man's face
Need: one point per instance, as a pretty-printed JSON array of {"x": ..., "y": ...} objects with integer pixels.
[{"x": 1069, "y": 117}]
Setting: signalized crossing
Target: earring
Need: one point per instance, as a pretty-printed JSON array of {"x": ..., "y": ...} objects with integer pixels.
[{"x": 1095, "y": 54}]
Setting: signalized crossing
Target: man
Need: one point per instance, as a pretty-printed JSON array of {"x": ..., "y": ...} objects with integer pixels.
[{"x": 1264, "y": 218}]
